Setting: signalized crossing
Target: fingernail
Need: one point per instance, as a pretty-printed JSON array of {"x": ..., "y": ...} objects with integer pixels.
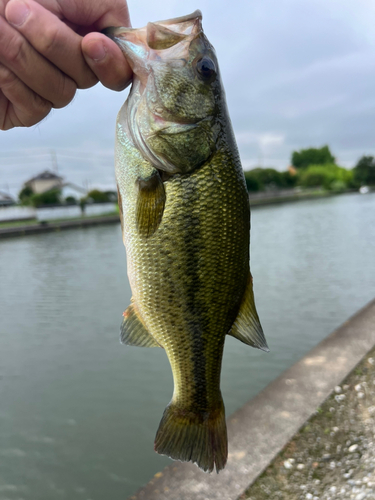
[
  {"x": 17, "y": 13},
  {"x": 96, "y": 50}
]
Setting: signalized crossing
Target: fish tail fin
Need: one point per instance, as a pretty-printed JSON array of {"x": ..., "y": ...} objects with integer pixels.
[{"x": 194, "y": 437}]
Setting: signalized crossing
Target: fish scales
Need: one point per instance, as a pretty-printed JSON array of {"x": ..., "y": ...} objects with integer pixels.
[{"x": 186, "y": 223}]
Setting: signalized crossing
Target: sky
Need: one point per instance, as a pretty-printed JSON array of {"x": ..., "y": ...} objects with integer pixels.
[{"x": 297, "y": 74}]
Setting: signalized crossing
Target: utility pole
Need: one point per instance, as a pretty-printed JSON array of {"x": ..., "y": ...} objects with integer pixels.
[{"x": 55, "y": 165}]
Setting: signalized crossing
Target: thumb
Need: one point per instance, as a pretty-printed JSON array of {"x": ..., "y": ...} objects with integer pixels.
[{"x": 107, "y": 61}]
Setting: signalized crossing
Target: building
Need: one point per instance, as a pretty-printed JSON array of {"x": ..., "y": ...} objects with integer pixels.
[
  {"x": 44, "y": 182},
  {"x": 6, "y": 200},
  {"x": 47, "y": 181}
]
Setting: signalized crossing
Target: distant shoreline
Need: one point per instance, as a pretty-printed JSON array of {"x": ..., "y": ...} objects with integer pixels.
[
  {"x": 53, "y": 226},
  {"x": 272, "y": 198},
  {"x": 18, "y": 228}
]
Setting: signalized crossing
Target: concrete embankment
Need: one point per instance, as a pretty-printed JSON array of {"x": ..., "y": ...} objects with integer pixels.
[
  {"x": 265, "y": 425},
  {"x": 50, "y": 226},
  {"x": 291, "y": 195}
]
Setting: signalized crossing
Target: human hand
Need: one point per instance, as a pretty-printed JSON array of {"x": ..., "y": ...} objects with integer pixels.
[{"x": 44, "y": 59}]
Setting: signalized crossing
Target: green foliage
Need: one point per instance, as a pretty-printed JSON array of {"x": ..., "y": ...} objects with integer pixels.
[
  {"x": 52, "y": 197},
  {"x": 329, "y": 176},
  {"x": 70, "y": 200},
  {"x": 312, "y": 156},
  {"x": 252, "y": 182},
  {"x": 97, "y": 195},
  {"x": 25, "y": 195},
  {"x": 364, "y": 171},
  {"x": 260, "y": 179}
]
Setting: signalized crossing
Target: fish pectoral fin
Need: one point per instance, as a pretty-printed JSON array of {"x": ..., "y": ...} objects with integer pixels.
[
  {"x": 247, "y": 327},
  {"x": 133, "y": 331},
  {"x": 150, "y": 204}
]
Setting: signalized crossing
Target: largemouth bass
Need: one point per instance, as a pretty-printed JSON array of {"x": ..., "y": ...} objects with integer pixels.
[{"x": 186, "y": 223}]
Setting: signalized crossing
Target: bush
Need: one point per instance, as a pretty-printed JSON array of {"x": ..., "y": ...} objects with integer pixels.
[
  {"x": 70, "y": 200},
  {"x": 312, "y": 156},
  {"x": 329, "y": 176},
  {"x": 52, "y": 197}
]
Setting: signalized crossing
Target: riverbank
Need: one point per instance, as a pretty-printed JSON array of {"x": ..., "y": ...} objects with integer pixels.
[
  {"x": 333, "y": 455},
  {"x": 24, "y": 228},
  {"x": 267, "y": 424},
  {"x": 33, "y": 226},
  {"x": 292, "y": 195}
]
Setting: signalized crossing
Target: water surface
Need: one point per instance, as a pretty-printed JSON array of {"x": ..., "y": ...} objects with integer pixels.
[{"x": 79, "y": 412}]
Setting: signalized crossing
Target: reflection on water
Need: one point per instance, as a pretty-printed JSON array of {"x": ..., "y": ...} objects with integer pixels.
[{"x": 78, "y": 411}]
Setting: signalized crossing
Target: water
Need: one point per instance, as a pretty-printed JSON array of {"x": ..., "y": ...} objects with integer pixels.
[{"x": 78, "y": 411}]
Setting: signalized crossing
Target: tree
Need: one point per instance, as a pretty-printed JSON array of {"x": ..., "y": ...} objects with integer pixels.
[
  {"x": 260, "y": 179},
  {"x": 25, "y": 194},
  {"x": 97, "y": 196},
  {"x": 312, "y": 156},
  {"x": 364, "y": 171}
]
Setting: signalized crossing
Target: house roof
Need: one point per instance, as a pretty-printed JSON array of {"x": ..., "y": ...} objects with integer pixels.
[
  {"x": 46, "y": 175},
  {"x": 5, "y": 198}
]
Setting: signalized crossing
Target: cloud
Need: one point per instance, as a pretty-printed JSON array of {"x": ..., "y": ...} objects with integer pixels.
[{"x": 296, "y": 74}]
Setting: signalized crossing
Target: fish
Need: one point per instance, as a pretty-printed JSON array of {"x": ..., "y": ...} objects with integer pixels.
[{"x": 185, "y": 218}]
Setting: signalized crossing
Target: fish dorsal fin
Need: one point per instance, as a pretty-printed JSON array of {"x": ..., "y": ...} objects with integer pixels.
[
  {"x": 133, "y": 331},
  {"x": 159, "y": 37},
  {"x": 150, "y": 204},
  {"x": 247, "y": 327}
]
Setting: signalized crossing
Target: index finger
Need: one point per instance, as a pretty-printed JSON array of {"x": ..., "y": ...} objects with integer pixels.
[
  {"x": 52, "y": 38},
  {"x": 33, "y": 69}
]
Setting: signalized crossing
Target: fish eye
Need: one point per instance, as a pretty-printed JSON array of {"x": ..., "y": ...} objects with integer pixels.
[{"x": 206, "y": 69}]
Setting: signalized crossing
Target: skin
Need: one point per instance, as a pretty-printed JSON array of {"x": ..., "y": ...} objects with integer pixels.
[{"x": 50, "y": 48}]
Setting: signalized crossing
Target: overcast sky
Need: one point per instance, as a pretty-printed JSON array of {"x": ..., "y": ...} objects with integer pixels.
[{"x": 296, "y": 74}]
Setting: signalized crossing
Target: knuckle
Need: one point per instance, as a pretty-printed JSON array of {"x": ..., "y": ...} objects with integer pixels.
[
  {"x": 13, "y": 49},
  {"x": 7, "y": 78},
  {"x": 50, "y": 39}
]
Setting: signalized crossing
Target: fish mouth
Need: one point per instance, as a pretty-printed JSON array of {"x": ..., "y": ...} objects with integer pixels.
[{"x": 143, "y": 45}]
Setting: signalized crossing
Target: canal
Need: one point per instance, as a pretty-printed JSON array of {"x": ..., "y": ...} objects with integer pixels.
[{"x": 79, "y": 411}]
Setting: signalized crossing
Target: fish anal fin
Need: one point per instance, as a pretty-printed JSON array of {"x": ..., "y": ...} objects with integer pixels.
[
  {"x": 247, "y": 327},
  {"x": 150, "y": 204},
  {"x": 133, "y": 331}
]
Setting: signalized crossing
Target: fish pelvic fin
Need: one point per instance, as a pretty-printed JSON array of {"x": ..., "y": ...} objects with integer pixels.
[
  {"x": 150, "y": 204},
  {"x": 133, "y": 331},
  {"x": 190, "y": 436},
  {"x": 247, "y": 327}
]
